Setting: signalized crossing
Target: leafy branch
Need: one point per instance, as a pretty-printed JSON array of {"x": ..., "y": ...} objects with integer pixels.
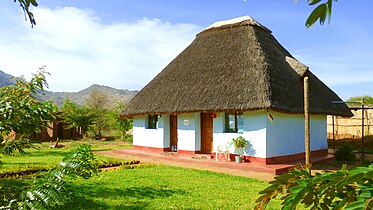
[
  {"x": 321, "y": 12},
  {"x": 343, "y": 189},
  {"x": 25, "y": 5},
  {"x": 50, "y": 189}
]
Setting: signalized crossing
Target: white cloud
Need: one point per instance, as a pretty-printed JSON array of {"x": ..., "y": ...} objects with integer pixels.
[{"x": 79, "y": 50}]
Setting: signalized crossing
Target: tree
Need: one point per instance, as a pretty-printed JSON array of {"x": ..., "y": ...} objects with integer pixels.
[
  {"x": 76, "y": 116},
  {"x": 98, "y": 102},
  {"x": 21, "y": 113},
  {"x": 122, "y": 124},
  {"x": 368, "y": 100}
]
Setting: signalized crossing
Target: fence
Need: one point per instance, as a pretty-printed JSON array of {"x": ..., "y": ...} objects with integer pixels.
[{"x": 351, "y": 128}]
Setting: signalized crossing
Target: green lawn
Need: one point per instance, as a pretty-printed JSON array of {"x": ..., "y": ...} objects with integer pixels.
[
  {"x": 166, "y": 187},
  {"x": 156, "y": 187},
  {"x": 49, "y": 157}
]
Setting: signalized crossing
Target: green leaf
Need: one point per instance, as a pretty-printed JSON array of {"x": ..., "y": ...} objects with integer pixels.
[
  {"x": 34, "y": 3},
  {"x": 365, "y": 193},
  {"x": 369, "y": 175},
  {"x": 330, "y": 4},
  {"x": 313, "y": 2},
  {"x": 316, "y": 14},
  {"x": 296, "y": 189},
  {"x": 355, "y": 205},
  {"x": 355, "y": 178}
]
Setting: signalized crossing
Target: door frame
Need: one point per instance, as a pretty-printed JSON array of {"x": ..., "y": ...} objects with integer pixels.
[
  {"x": 173, "y": 132},
  {"x": 206, "y": 127}
]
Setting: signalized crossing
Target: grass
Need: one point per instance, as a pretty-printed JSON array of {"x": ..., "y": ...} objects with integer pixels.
[
  {"x": 49, "y": 157},
  {"x": 166, "y": 187},
  {"x": 160, "y": 187},
  {"x": 156, "y": 187}
]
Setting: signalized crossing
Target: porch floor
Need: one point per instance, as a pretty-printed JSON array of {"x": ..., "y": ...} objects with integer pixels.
[{"x": 247, "y": 169}]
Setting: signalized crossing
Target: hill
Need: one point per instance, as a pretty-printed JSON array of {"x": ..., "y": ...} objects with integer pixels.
[
  {"x": 7, "y": 79},
  {"x": 77, "y": 97},
  {"x": 81, "y": 96}
]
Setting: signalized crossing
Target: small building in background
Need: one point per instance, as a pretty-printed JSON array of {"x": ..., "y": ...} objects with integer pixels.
[{"x": 57, "y": 129}]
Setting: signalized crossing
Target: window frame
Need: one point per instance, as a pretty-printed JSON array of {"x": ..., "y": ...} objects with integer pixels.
[
  {"x": 152, "y": 122},
  {"x": 227, "y": 128}
]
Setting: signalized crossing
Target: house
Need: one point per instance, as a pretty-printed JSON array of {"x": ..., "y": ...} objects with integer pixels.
[
  {"x": 57, "y": 130},
  {"x": 235, "y": 79}
]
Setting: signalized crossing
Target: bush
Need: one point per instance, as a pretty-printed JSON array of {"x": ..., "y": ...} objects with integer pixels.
[
  {"x": 344, "y": 153},
  {"x": 239, "y": 142}
]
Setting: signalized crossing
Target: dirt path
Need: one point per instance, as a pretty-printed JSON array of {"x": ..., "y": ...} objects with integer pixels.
[{"x": 175, "y": 162}]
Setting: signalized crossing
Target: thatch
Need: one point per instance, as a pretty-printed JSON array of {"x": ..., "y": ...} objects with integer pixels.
[{"x": 235, "y": 67}]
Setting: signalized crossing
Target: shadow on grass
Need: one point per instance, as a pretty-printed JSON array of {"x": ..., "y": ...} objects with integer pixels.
[
  {"x": 11, "y": 189},
  {"x": 51, "y": 152},
  {"x": 94, "y": 197}
]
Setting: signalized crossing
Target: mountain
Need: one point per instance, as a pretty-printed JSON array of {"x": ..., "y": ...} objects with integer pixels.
[
  {"x": 77, "y": 97},
  {"x": 81, "y": 96},
  {"x": 7, "y": 79}
]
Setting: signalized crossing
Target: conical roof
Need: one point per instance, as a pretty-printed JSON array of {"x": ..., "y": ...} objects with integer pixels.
[{"x": 238, "y": 66}]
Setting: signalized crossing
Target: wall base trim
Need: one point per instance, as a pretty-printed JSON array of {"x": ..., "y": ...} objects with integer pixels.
[
  {"x": 222, "y": 156},
  {"x": 274, "y": 160},
  {"x": 151, "y": 149}
]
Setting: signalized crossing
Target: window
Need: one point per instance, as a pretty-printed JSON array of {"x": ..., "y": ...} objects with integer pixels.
[
  {"x": 233, "y": 122},
  {"x": 152, "y": 121}
]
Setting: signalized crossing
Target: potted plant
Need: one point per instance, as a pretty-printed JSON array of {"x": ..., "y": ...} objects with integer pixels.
[{"x": 239, "y": 143}]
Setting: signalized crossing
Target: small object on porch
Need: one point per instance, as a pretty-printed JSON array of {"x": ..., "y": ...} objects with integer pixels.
[
  {"x": 238, "y": 159},
  {"x": 173, "y": 148},
  {"x": 217, "y": 153},
  {"x": 239, "y": 143}
]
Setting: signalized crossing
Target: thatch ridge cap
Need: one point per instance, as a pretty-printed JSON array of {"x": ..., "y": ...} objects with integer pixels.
[{"x": 233, "y": 23}]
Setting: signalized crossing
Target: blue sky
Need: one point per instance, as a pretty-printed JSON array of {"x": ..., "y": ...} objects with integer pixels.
[{"x": 124, "y": 44}]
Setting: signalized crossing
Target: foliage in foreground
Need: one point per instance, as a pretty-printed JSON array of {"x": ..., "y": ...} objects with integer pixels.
[
  {"x": 343, "y": 189},
  {"x": 21, "y": 113},
  {"x": 50, "y": 189}
]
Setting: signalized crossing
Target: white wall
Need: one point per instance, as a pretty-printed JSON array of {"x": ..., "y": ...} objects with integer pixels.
[
  {"x": 147, "y": 137},
  {"x": 254, "y": 132},
  {"x": 197, "y": 135},
  {"x": 166, "y": 130},
  {"x": 285, "y": 134},
  {"x": 186, "y": 133},
  {"x": 282, "y": 136}
]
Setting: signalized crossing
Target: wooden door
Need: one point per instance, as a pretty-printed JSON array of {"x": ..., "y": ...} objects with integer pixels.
[
  {"x": 173, "y": 131},
  {"x": 206, "y": 133}
]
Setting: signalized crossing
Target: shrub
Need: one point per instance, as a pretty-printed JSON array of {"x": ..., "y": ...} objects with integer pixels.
[
  {"x": 239, "y": 142},
  {"x": 344, "y": 153},
  {"x": 129, "y": 138}
]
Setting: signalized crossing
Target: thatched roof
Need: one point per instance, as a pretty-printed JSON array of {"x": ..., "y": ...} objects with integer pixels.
[{"x": 237, "y": 66}]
